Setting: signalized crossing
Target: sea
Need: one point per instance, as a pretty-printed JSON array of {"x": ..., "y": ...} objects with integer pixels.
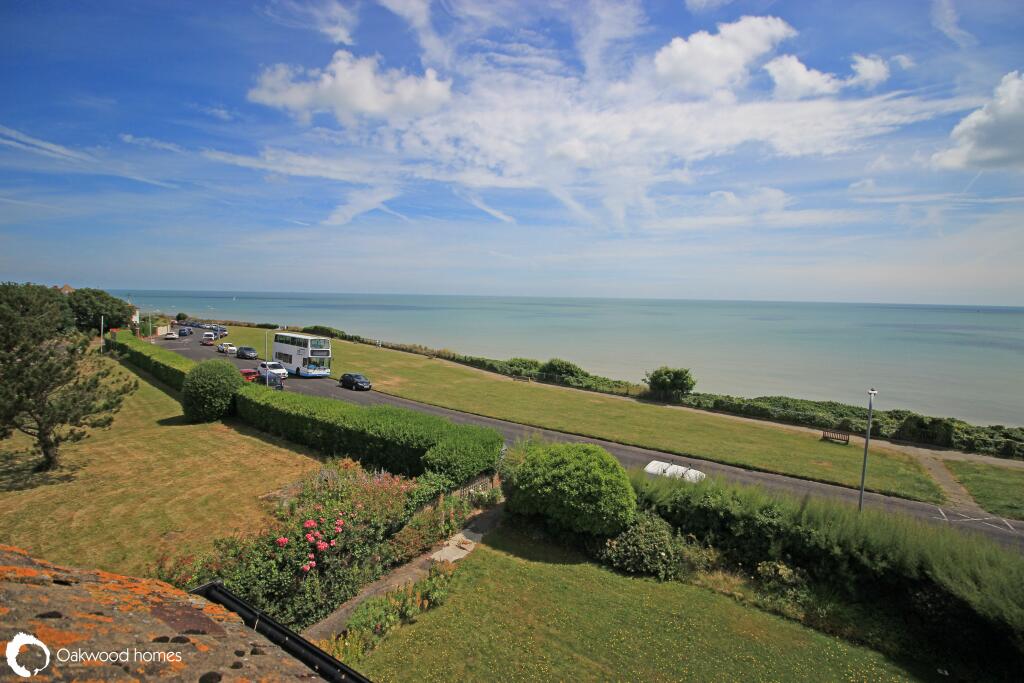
[{"x": 958, "y": 361}]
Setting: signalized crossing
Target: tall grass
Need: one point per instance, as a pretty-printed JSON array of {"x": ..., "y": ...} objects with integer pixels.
[{"x": 949, "y": 581}]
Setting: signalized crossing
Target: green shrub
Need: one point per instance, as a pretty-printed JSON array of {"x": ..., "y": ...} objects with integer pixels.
[
  {"x": 398, "y": 440},
  {"x": 561, "y": 368},
  {"x": 902, "y": 425},
  {"x": 209, "y": 390},
  {"x": 648, "y": 546},
  {"x": 670, "y": 384},
  {"x": 374, "y": 618},
  {"x": 577, "y": 487},
  {"x": 951, "y": 582},
  {"x": 167, "y": 366},
  {"x": 181, "y": 316}
]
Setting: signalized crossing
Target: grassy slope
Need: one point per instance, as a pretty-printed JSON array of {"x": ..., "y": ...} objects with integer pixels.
[
  {"x": 999, "y": 490},
  {"x": 147, "y": 484},
  {"x": 524, "y": 610},
  {"x": 704, "y": 435}
]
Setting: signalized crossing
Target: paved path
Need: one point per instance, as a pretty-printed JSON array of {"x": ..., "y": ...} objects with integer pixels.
[{"x": 1007, "y": 532}]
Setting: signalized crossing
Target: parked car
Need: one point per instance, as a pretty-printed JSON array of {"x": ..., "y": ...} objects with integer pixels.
[
  {"x": 248, "y": 352},
  {"x": 227, "y": 348},
  {"x": 355, "y": 382},
  {"x": 249, "y": 374},
  {"x": 184, "y": 331},
  {"x": 665, "y": 469},
  {"x": 274, "y": 368},
  {"x": 208, "y": 339},
  {"x": 171, "y": 335}
]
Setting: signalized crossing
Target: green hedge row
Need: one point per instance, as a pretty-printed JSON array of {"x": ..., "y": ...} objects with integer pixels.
[
  {"x": 949, "y": 581},
  {"x": 167, "y": 366},
  {"x": 901, "y": 425},
  {"x": 398, "y": 440}
]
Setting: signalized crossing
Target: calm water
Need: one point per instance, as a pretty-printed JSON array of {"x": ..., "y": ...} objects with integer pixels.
[{"x": 939, "y": 360}]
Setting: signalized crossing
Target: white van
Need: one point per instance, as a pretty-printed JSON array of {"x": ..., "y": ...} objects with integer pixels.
[{"x": 209, "y": 338}]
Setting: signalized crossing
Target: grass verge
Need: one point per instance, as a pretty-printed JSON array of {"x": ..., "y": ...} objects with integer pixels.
[
  {"x": 1000, "y": 490},
  {"x": 523, "y": 609},
  {"x": 150, "y": 483},
  {"x": 705, "y": 435}
]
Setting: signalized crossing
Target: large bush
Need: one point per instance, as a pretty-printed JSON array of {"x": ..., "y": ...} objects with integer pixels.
[
  {"x": 209, "y": 390},
  {"x": 93, "y": 307},
  {"x": 166, "y": 365},
  {"x": 670, "y": 384},
  {"x": 577, "y": 487},
  {"x": 398, "y": 440},
  {"x": 946, "y": 580},
  {"x": 648, "y": 546}
]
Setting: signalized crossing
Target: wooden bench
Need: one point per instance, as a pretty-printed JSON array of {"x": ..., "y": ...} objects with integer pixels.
[
  {"x": 834, "y": 435},
  {"x": 520, "y": 378}
]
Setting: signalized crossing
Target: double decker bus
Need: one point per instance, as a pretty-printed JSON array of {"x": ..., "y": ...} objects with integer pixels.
[{"x": 303, "y": 354}]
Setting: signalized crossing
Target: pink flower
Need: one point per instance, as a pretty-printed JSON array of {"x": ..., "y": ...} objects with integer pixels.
[
  {"x": 312, "y": 563},
  {"x": 309, "y": 523},
  {"x": 304, "y": 567},
  {"x": 312, "y": 556},
  {"x": 309, "y": 537},
  {"x": 282, "y": 541},
  {"x": 333, "y": 542},
  {"x": 321, "y": 520},
  {"x": 322, "y": 546}
]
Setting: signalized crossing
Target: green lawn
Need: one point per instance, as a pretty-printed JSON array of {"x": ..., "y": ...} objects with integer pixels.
[
  {"x": 150, "y": 483},
  {"x": 521, "y": 609},
  {"x": 705, "y": 435},
  {"x": 1000, "y": 490}
]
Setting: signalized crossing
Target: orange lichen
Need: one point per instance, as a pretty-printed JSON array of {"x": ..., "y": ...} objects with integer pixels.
[
  {"x": 10, "y": 572},
  {"x": 55, "y": 637}
]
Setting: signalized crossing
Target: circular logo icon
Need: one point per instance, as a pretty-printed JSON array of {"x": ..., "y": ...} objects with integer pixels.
[{"x": 14, "y": 647}]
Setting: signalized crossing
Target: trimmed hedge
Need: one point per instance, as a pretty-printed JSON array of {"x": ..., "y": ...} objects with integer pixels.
[
  {"x": 398, "y": 440},
  {"x": 578, "y": 487},
  {"x": 901, "y": 425},
  {"x": 209, "y": 390},
  {"x": 950, "y": 582},
  {"x": 167, "y": 366}
]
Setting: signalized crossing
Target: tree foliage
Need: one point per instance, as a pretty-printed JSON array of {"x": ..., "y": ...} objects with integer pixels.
[
  {"x": 52, "y": 388},
  {"x": 89, "y": 305},
  {"x": 670, "y": 384},
  {"x": 181, "y": 316}
]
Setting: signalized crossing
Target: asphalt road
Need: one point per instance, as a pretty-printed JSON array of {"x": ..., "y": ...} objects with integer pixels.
[{"x": 1006, "y": 532}]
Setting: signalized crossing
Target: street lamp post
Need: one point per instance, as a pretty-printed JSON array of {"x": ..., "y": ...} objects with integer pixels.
[
  {"x": 266, "y": 358},
  {"x": 867, "y": 440}
]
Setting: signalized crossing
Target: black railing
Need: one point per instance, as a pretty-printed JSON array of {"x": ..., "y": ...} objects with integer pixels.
[{"x": 323, "y": 664}]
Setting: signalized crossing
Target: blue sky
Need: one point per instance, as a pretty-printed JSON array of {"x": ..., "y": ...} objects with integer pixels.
[{"x": 869, "y": 151}]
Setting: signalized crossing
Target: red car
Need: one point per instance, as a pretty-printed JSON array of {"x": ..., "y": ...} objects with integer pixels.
[{"x": 249, "y": 374}]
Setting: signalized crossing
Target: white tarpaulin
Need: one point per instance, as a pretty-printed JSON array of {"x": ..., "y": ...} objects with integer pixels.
[{"x": 665, "y": 469}]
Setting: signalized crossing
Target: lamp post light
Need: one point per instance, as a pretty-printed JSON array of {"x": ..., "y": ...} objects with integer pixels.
[{"x": 867, "y": 440}]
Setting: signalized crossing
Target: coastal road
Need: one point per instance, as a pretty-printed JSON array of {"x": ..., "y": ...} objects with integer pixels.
[{"x": 1006, "y": 532}]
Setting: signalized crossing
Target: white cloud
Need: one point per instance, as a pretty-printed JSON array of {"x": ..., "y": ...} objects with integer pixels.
[
  {"x": 704, "y": 63},
  {"x": 793, "y": 80},
  {"x": 697, "y": 6},
  {"x": 18, "y": 140},
  {"x": 905, "y": 62},
  {"x": 350, "y": 87},
  {"x": 868, "y": 72},
  {"x": 329, "y": 17},
  {"x": 993, "y": 136},
  {"x": 359, "y": 202},
  {"x": 151, "y": 143},
  {"x": 480, "y": 204},
  {"x": 417, "y": 14},
  {"x": 946, "y": 20},
  {"x": 605, "y": 23}
]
